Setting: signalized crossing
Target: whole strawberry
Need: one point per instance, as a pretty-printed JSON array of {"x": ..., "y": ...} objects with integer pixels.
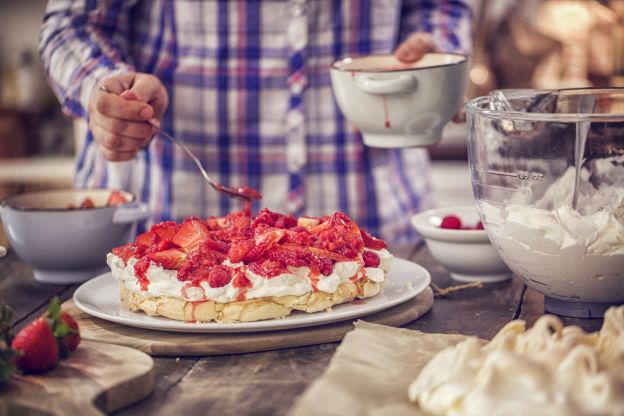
[
  {"x": 64, "y": 328},
  {"x": 38, "y": 347},
  {"x": 72, "y": 338}
]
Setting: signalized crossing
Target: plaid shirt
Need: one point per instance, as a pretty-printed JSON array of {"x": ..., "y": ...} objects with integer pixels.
[{"x": 250, "y": 94}]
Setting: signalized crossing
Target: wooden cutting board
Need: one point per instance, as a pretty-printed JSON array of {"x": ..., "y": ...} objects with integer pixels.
[
  {"x": 189, "y": 344},
  {"x": 96, "y": 379}
]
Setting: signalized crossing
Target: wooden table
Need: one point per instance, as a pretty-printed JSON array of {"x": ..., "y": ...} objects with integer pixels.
[{"x": 268, "y": 383}]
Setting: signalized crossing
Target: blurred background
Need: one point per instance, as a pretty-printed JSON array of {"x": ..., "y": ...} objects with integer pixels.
[{"x": 517, "y": 44}]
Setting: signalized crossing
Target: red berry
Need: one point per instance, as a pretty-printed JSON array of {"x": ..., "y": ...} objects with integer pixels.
[
  {"x": 322, "y": 265},
  {"x": 451, "y": 222},
  {"x": 170, "y": 259},
  {"x": 372, "y": 242},
  {"x": 241, "y": 281},
  {"x": 147, "y": 239},
  {"x": 165, "y": 230},
  {"x": 71, "y": 339},
  {"x": 191, "y": 234},
  {"x": 87, "y": 203},
  {"x": 38, "y": 347},
  {"x": 218, "y": 276},
  {"x": 115, "y": 198},
  {"x": 370, "y": 259}
]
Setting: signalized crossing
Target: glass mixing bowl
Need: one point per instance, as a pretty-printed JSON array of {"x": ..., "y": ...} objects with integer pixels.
[{"x": 548, "y": 175}]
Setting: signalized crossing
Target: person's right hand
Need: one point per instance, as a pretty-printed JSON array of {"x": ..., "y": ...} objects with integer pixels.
[{"x": 118, "y": 111}]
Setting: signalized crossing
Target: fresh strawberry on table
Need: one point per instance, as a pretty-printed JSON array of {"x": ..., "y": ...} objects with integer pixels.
[
  {"x": 37, "y": 346},
  {"x": 43, "y": 341},
  {"x": 72, "y": 338},
  {"x": 64, "y": 327}
]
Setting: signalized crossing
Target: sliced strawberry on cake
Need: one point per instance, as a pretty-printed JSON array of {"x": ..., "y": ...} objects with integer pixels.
[{"x": 242, "y": 268}]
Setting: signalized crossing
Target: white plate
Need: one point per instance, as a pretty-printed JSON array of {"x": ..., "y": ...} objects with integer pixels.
[{"x": 99, "y": 297}]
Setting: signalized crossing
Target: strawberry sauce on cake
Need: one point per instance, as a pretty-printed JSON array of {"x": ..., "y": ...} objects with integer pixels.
[{"x": 242, "y": 268}]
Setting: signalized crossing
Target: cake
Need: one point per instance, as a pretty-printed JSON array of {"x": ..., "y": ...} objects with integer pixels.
[{"x": 241, "y": 268}]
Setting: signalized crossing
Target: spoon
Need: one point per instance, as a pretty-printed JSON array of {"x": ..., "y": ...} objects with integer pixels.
[
  {"x": 244, "y": 192},
  {"x": 240, "y": 192},
  {"x": 585, "y": 106}
]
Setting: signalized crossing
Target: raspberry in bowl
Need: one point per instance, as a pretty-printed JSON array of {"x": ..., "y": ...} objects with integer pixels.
[{"x": 456, "y": 239}]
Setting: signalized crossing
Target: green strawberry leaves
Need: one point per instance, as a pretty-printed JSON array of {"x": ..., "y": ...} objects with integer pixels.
[
  {"x": 58, "y": 327},
  {"x": 7, "y": 354}
]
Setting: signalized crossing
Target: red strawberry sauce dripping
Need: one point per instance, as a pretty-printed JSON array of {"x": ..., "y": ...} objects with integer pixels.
[
  {"x": 386, "y": 112},
  {"x": 242, "y": 283},
  {"x": 140, "y": 270},
  {"x": 314, "y": 279},
  {"x": 193, "y": 311},
  {"x": 194, "y": 304},
  {"x": 357, "y": 278}
]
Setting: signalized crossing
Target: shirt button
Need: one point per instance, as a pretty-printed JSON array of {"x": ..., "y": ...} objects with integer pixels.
[{"x": 298, "y": 9}]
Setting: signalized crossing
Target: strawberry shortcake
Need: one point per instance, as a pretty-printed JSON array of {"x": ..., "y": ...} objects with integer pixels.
[{"x": 241, "y": 268}]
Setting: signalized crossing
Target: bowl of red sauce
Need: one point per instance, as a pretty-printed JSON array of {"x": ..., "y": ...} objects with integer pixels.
[{"x": 398, "y": 104}]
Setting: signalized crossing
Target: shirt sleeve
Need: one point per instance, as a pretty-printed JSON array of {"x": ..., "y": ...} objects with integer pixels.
[
  {"x": 81, "y": 43},
  {"x": 449, "y": 21}
]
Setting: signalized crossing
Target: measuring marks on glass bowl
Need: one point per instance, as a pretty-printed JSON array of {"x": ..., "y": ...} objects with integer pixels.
[{"x": 525, "y": 181}]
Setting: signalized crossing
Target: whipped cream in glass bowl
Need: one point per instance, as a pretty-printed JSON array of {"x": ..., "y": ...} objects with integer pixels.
[{"x": 548, "y": 175}]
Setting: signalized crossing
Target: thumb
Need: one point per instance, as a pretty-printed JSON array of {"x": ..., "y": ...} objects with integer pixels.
[
  {"x": 414, "y": 47},
  {"x": 148, "y": 89}
]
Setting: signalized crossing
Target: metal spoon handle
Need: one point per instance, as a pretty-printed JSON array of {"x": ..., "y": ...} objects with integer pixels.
[
  {"x": 187, "y": 150},
  {"x": 244, "y": 192}
]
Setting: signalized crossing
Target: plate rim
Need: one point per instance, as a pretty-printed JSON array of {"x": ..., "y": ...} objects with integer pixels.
[{"x": 173, "y": 326}]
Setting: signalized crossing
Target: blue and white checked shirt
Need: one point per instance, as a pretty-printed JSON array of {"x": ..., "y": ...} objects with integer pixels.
[{"x": 250, "y": 94}]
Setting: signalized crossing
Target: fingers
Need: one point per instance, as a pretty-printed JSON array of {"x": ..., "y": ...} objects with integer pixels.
[
  {"x": 147, "y": 88},
  {"x": 112, "y": 105},
  {"x": 134, "y": 129},
  {"x": 115, "y": 146},
  {"x": 119, "y": 113},
  {"x": 118, "y": 84},
  {"x": 414, "y": 47}
]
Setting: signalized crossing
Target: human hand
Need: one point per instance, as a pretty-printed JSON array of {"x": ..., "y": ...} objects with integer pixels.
[
  {"x": 118, "y": 111},
  {"x": 413, "y": 48}
]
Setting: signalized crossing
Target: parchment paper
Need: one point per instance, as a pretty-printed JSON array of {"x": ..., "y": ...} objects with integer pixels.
[{"x": 371, "y": 371}]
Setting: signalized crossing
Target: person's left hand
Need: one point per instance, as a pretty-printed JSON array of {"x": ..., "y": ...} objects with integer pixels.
[{"x": 413, "y": 48}]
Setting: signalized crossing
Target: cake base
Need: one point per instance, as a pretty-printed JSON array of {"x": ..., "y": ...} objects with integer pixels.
[{"x": 246, "y": 310}]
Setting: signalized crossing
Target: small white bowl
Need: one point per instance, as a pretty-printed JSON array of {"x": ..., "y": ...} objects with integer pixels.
[
  {"x": 396, "y": 104},
  {"x": 68, "y": 245},
  {"x": 468, "y": 255}
]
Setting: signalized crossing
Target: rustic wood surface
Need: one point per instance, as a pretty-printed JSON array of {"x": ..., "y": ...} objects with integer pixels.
[
  {"x": 267, "y": 383},
  {"x": 95, "y": 379}
]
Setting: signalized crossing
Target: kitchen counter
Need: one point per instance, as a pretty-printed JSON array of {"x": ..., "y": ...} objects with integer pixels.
[{"x": 268, "y": 383}]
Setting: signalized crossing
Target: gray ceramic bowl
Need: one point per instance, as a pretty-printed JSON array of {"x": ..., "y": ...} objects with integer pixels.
[{"x": 68, "y": 245}]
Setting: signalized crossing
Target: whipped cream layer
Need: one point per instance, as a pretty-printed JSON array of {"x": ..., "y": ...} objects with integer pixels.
[
  {"x": 296, "y": 282},
  {"x": 562, "y": 251},
  {"x": 547, "y": 370}
]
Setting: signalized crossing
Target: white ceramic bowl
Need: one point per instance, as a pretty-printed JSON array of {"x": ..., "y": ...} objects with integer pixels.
[
  {"x": 468, "y": 255},
  {"x": 396, "y": 104},
  {"x": 68, "y": 245}
]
